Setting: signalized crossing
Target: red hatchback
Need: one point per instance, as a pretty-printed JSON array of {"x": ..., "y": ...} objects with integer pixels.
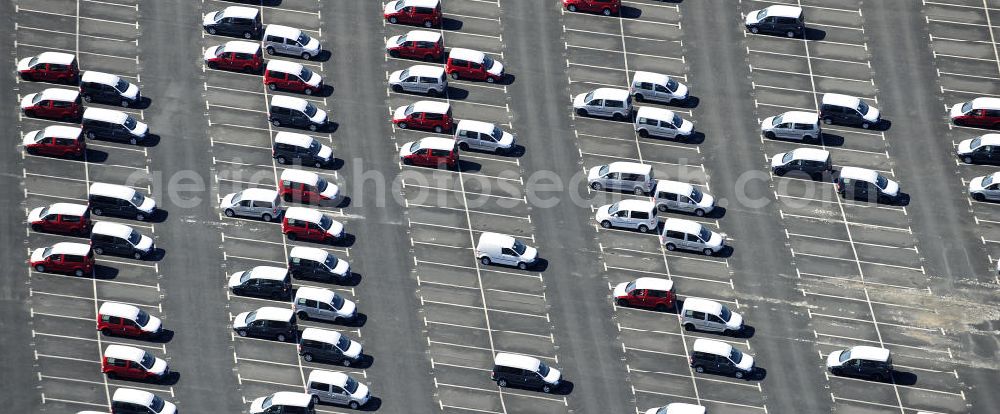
[
  {"x": 50, "y": 67},
  {"x": 605, "y": 7},
  {"x": 416, "y": 44},
  {"x": 430, "y": 152},
  {"x": 291, "y": 76},
  {"x": 300, "y": 223},
  {"x": 65, "y": 218},
  {"x": 424, "y": 115},
  {"x": 472, "y": 64},
  {"x": 646, "y": 292},
  {"x": 235, "y": 55},
  {"x": 979, "y": 112},
  {"x": 53, "y": 103},
  {"x": 57, "y": 141},
  {"x": 423, "y": 12},
  {"x": 65, "y": 257}
]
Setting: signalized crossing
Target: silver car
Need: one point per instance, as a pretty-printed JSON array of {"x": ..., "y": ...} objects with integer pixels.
[
  {"x": 985, "y": 188},
  {"x": 483, "y": 136},
  {"x": 290, "y": 41},
  {"x": 683, "y": 197},
  {"x": 623, "y": 176},
  {"x": 252, "y": 202},
  {"x": 430, "y": 80}
]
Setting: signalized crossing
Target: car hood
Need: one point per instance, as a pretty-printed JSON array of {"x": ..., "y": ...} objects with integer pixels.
[
  {"x": 873, "y": 114},
  {"x": 554, "y": 376},
  {"x": 530, "y": 254},
  {"x": 314, "y": 80},
  {"x": 36, "y": 256},
  {"x": 140, "y": 129},
  {"x": 776, "y": 160},
  {"x": 257, "y": 406},
  {"x": 361, "y": 394},
  {"x": 240, "y": 321},
  {"x": 619, "y": 290},
  {"x": 399, "y": 113},
  {"x": 227, "y": 201},
  {"x": 394, "y": 76},
  {"x": 336, "y": 228},
  {"x": 209, "y": 18},
  {"x": 348, "y": 309},
  {"x": 578, "y": 100},
  {"x": 153, "y": 325},
  {"x": 132, "y": 92},
  {"x": 767, "y": 123},
  {"x": 331, "y": 191},
  {"x": 145, "y": 243},
  {"x": 159, "y": 367},
  {"x": 687, "y": 127},
  {"x": 23, "y": 63},
  {"x": 746, "y": 364},
  {"x": 602, "y": 213},
  {"x": 405, "y": 149},
  {"x": 392, "y": 42},
  {"x": 211, "y": 52},
  {"x": 594, "y": 172},
  {"x": 681, "y": 92},
  {"x": 751, "y": 17},
  {"x": 26, "y": 101},
  {"x": 353, "y": 351},
  {"x": 891, "y": 188},
  {"x": 312, "y": 46},
  {"x": 325, "y": 152},
  {"x": 956, "y": 110},
  {"x": 148, "y": 205},
  {"x": 342, "y": 267},
  {"x": 975, "y": 185},
  {"x": 735, "y": 321},
  {"x": 965, "y": 146},
  {"x": 234, "y": 279},
  {"x": 36, "y": 214},
  {"x": 168, "y": 408},
  {"x": 497, "y": 69},
  {"x": 390, "y": 7},
  {"x": 707, "y": 202},
  {"x": 506, "y": 140},
  {"x": 833, "y": 360},
  {"x": 715, "y": 240},
  {"x": 29, "y": 138},
  {"x": 320, "y": 117}
]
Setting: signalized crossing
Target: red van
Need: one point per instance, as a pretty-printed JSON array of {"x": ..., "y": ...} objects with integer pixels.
[
  {"x": 424, "y": 12},
  {"x": 305, "y": 187},
  {"x": 65, "y": 257},
  {"x": 646, "y": 292},
  {"x": 235, "y": 55},
  {"x": 424, "y": 115},
  {"x": 605, "y": 7},
  {"x": 122, "y": 361},
  {"x": 62, "y": 218},
  {"x": 430, "y": 152},
  {"x": 49, "y": 67},
  {"x": 300, "y": 223},
  {"x": 291, "y": 76},
  {"x": 416, "y": 44},
  {"x": 126, "y": 320},
  {"x": 57, "y": 141},
  {"x": 473, "y": 64},
  {"x": 979, "y": 112},
  {"x": 53, "y": 103}
]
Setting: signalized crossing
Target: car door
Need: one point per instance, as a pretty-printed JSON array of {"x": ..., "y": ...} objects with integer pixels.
[
  {"x": 783, "y": 130},
  {"x": 661, "y": 93},
  {"x": 326, "y": 311},
  {"x": 614, "y": 181},
  {"x": 992, "y": 192},
  {"x": 692, "y": 241},
  {"x": 596, "y": 107},
  {"x": 339, "y": 395},
  {"x": 671, "y": 200},
  {"x": 666, "y": 129},
  {"x": 698, "y": 319},
  {"x": 412, "y": 84},
  {"x": 714, "y": 323}
]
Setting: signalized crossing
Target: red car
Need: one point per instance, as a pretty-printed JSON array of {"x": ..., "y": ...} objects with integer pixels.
[
  {"x": 50, "y": 67},
  {"x": 53, "y": 103},
  {"x": 126, "y": 320},
  {"x": 57, "y": 141},
  {"x": 122, "y": 361},
  {"x": 424, "y": 115},
  {"x": 235, "y": 55},
  {"x": 605, "y": 7},
  {"x": 416, "y": 44},
  {"x": 291, "y": 76},
  {"x": 430, "y": 152},
  {"x": 65, "y": 218},
  {"x": 300, "y": 223},
  {"x": 979, "y": 112},
  {"x": 646, "y": 292},
  {"x": 65, "y": 257},
  {"x": 424, "y": 12},
  {"x": 472, "y": 64},
  {"x": 305, "y": 186}
]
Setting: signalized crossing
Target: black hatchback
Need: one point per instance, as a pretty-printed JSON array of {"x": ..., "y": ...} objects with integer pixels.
[
  {"x": 781, "y": 20},
  {"x": 262, "y": 281},
  {"x": 234, "y": 21},
  {"x": 267, "y": 322}
]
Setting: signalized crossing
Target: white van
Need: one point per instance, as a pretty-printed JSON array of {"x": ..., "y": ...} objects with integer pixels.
[
  {"x": 138, "y": 401},
  {"x": 623, "y": 176},
  {"x": 337, "y": 388},
  {"x": 604, "y": 102},
  {"x": 632, "y": 214},
  {"x": 649, "y": 86},
  {"x": 290, "y": 41},
  {"x": 284, "y": 402},
  {"x": 659, "y": 122},
  {"x": 711, "y": 316},
  {"x": 319, "y": 303},
  {"x": 506, "y": 250},
  {"x": 690, "y": 235},
  {"x": 483, "y": 136},
  {"x": 678, "y": 196}
]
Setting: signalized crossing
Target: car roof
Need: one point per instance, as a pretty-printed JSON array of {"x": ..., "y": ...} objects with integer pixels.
[
  {"x": 683, "y": 408},
  {"x": 682, "y": 225},
  {"x": 712, "y": 347},
  {"x": 289, "y": 102},
  {"x": 989, "y": 139},
  {"x": 328, "y": 377},
  {"x": 309, "y": 253},
  {"x": 99, "y": 77},
  {"x": 258, "y": 194},
  {"x": 120, "y": 310},
  {"x": 132, "y": 395},
  {"x": 78, "y": 249},
  {"x": 652, "y": 77},
  {"x": 301, "y": 176},
  {"x": 675, "y": 187},
  {"x": 611, "y": 93},
  {"x": 284, "y": 66},
  {"x": 275, "y": 313},
  {"x": 421, "y": 3},
  {"x": 438, "y": 143},
  {"x": 111, "y": 190},
  {"x": 986, "y": 103},
  {"x": 240, "y": 11},
  {"x": 654, "y": 283},
  {"x": 68, "y": 208},
  {"x": 636, "y": 205},
  {"x": 703, "y": 305},
  {"x": 314, "y": 293},
  {"x": 60, "y": 94},
  {"x": 810, "y": 154},
  {"x": 517, "y": 361},
  {"x": 283, "y": 31},
  {"x": 61, "y": 131},
  {"x": 426, "y": 70},
  {"x": 269, "y": 272},
  {"x": 124, "y": 352},
  {"x": 630, "y": 167},
  {"x": 113, "y": 229},
  {"x": 240, "y": 46},
  {"x": 477, "y": 126},
  {"x": 466, "y": 54},
  {"x": 870, "y": 353},
  {"x": 323, "y": 335},
  {"x": 304, "y": 213},
  {"x": 106, "y": 115},
  {"x": 431, "y": 106},
  {"x": 295, "y": 399},
  {"x": 423, "y": 36},
  {"x": 501, "y": 240},
  {"x": 784, "y": 11},
  {"x": 58, "y": 58},
  {"x": 654, "y": 112},
  {"x": 294, "y": 138},
  {"x": 841, "y": 100},
  {"x": 856, "y": 173},
  {"x": 801, "y": 117}
]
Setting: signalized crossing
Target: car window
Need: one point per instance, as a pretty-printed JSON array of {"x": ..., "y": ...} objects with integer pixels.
[
  {"x": 668, "y": 196},
  {"x": 673, "y": 234},
  {"x": 648, "y": 121},
  {"x": 640, "y": 215},
  {"x": 611, "y": 103},
  {"x": 692, "y": 238}
]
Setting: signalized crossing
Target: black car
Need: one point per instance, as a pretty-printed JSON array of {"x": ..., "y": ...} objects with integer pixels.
[
  {"x": 262, "y": 281},
  {"x": 811, "y": 161},
  {"x": 294, "y": 112},
  {"x": 267, "y": 322},
  {"x": 112, "y": 125},
  {"x": 306, "y": 268},
  {"x": 113, "y": 238},
  {"x": 848, "y": 110},
  {"x": 719, "y": 357},
  {"x": 329, "y": 346},
  {"x": 109, "y": 89},
  {"x": 782, "y": 20},
  {"x": 289, "y": 148},
  {"x": 861, "y": 361},
  {"x": 234, "y": 21},
  {"x": 980, "y": 150}
]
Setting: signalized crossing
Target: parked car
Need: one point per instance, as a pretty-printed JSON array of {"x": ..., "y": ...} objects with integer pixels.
[
  {"x": 49, "y": 67},
  {"x": 430, "y": 152},
  {"x": 300, "y": 223},
  {"x": 252, "y": 202},
  {"x": 683, "y": 197},
  {"x": 119, "y": 239},
  {"x": 296, "y": 113},
  {"x": 524, "y": 372},
  {"x": 109, "y": 89},
  {"x": 234, "y": 21},
  {"x": 796, "y": 125},
  {"x": 115, "y": 318},
  {"x": 291, "y": 76},
  {"x": 657, "y": 87},
  {"x": 57, "y": 141},
  {"x": 659, "y": 122},
  {"x": 715, "y": 356},
  {"x": 604, "y": 102},
  {"x": 324, "y": 304},
  {"x": 306, "y": 187},
  {"x": 708, "y": 315},
  {"x": 979, "y": 112},
  {"x": 119, "y": 200},
  {"x": 332, "y": 346},
  {"x": 983, "y": 149},
  {"x": 605, "y": 7},
  {"x": 262, "y": 281},
  {"x": 65, "y": 218},
  {"x": 267, "y": 322},
  {"x": 812, "y": 161},
  {"x": 420, "y": 12},
  {"x": 337, "y": 388},
  {"x": 113, "y": 125},
  {"x": 312, "y": 263},
  {"x": 121, "y": 361},
  {"x": 132, "y": 401},
  {"x": 622, "y": 176},
  {"x": 777, "y": 19},
  {"x": 472, "y": 64},
  {"x": 235, "y": 55},
  {"x": 283, "y": 402},
  {"x": 677, "y": 408},
  {"x": 986, "y": 187},
  {"x": 53, "y": 103},
  {"x": 848, "y": 110},
  {"x": 425, "y": 79},
  {"x": 861, "y": 361},
  {"x": 293, "y": 147},
  {"x": 286, "y": 40},
  {"x": 632, "y": 214},
  {"x": 424, "y": 115},
  {"x": 416, "y": 44},
  {"x": 483, "y": 136},
  {"x": 690, "y": 235},
  {"x": 64, "y": 257},
  {"x": 646, "y": 292},
  {"x": 863, "y": 184},
  {"x": 505, "y": 250}
]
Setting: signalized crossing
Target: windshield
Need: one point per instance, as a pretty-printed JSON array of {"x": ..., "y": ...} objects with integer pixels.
[
  {"x": 761, "y": 14},
  {"x": 351, "y": 385},
  {"x": 33, "y": 61},
  {"x": 137, "y": 199},
  {"x": 45, "y": 210},
  {"x": 156, "y": 404},
  {"x": 321, "y": 185},
  {"x": 612, "y": 209},
  {"x": 303, "y": 39},
  {"x": 787, "y": 157},
  {"x": 736, "y": 356},
  {"x": 267, "y": 402},
  {"x": 519, "y": 247},
  {"x": 134, "y": 237},
  {"x": 325, "y": 223},
  {"x": 306, "y": 74},
  {"x": 677, "y": 121},
  {"x": 881, "y": 182},
  {"x": 845, "y": 356},
  {"x": 46, "y": 252},
  {"x": 543, "y": 369},
  {"x": 252, "y": 316},
  {"x": 399, "y": 5},
  {"x": 338, "y": 301},
  {"x": 142, "y": 318},
  {"x": 726, "y": 314},
  {"x": 408, "y": 110},
  {"x": 497, "y": 133},
  {"x": 331, "y": 261},
  {"x": 976, "y": 142},
  {"x": 488, "y": 62},
  {"x": 672, "y": 85},
  {"x": 245, "y": 276},
  {"x": 589, "y": 97},
  {"x": 147, "y": 360},
  {"x": 310, "y": 110},
  {"x": 404, "y": 74},
  {"x": 130, "y": 123},
  {"x": 603, "y": 171},
  {"x": 705, "y": 235},
  {"x": 237, "y": 197},
  {"x": 863, "y": 107},
  {"x": 967, "y": 107},
  {"x": 629, "y": 287},
  {"x": 314, "y": 147},
  {"x": 37, "y": 98},
  {"x": 986, "y": 181},
  {"x": 121, "y": 86},
  {"x": 776, "y": 120},
  {"x": 415, "y": 147},
  {"x": 343, "y": 343},
  {"x": 696, "y": 195}
]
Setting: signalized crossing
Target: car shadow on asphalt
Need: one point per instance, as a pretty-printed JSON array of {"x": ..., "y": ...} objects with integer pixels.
[
  {"x": 451, "y": 24},
  {"x": 626, "y": 12},
  {"x": 103, "y": 272},
  {"x": 813, "y": 34}
]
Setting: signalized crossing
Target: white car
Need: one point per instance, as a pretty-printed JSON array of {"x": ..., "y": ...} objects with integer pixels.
[{"x": 985, "y": 188}]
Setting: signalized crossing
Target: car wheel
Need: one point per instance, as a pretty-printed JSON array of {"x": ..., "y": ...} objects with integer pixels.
[
  {"x": 967, "y": 160},
  {"x": 865, "y": 125},
  {"x": 769, "y": 135},
  {"x": 132, "y": 141},
  {"x": 403, "y": 125},
  {"x": 689, "y": 327},
  {"x": 313, "y": 127},
  {"x": 621, "y": 302},
  {"x": 522, "y": 265},
  {"x": 308, "y": 91},
  {"x": 394, "y": 53},
  {"x": 699, "y": 212},
  {"x": 828, "y": 121},
  {"x": 726, "y": 332},
  {"x": 490, "y": 80},
  {"x": 280, "y": 337},
  {"x": 91, "y": 135},
  {"x": 699, "y": 369},
  {"x": 429, "y": 58},
  {"x": 112, "y": 375},
  {"x": 438, "y": 129},
  {"x": 662, "y": 207},
  {"x": 98, "y": 251},
  {"x": 485, "y": 260},
  {"x": 643, "y": 133},
  {"x": 428, "y": 24},
  {"x": 502, "y": 383},
  {"x": 36, "y": 227},
  {"x": 397, "y": 88},
  {"x": 606, "y": 11},
  {"x": 88, "y": 98},
  {"x": 462, "y": 146},
  {"x": 276, "y": 122},
  {"x": 754, "y": 30},
  {"x": 739, "y": 374},
  {"x": 78, "y": 273},
  {"x": 617, "y": 116},
  {"x": 808, "y": 138},
  {"x": 242, "y": 332},
  {"x": 307, "y": 357},
  {"x": 230, "y": 212},
  {"x": 97, "y": 212},
  {"x": 708, "y": 252},
  {"x": 407, "y": 161},
  {"x": 345, "y": 362},
  {"x": 354, "y": 405},
  {"x": 546, "y": 388},
  {"x": 306, "y": 55},
  {"x": 640, "y": 98},
  {"x": 606, "y": 224},
  {"x": 27, "y": 77},
  {"x": 303, "y": 316},
  {"x": 40, "y": 268},
  {"x": 779, "y": 171},
  {"x": 596, "y": 186},
  {"x": 315, "y": 399},
  {"x": 393, "y": 20},
  {"x": 582, "y": 112},
  {"x": 318, "y": 164},
  {"x": 977, "y": 197},
  {"x": 671, "y": 247},
  {"x": 435, "y": 92},
  {"x": 790, "y": 33},
  {"x": 125, "y": 104},
  {"x": 638, "y": 191},
  {"x": 140, "y": 217},
  {"x": 30, "y": 114},
  {"x": 272, "y": 86},
  {"x": 836, "y": 371},
  {"x": 137, "y": 256},
  {"x": 454, "y": 75},
  {"x": 247, "y": 35},
  {"x": 106, "y": 332},
  {"x": 643, "y": 228},
  {"x": 292, "y": 236}
]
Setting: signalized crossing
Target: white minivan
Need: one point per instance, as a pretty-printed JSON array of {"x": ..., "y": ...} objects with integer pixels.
[
  {"x": 649, "y": 86},
  {"x": 659, "y": 122},
  {"x": 604, "y": 102},
  {"x": 506, "y": 250},
  {"x": 632, "y": 214},
  {"x": 690, "y": 235},
  {"x": 710, "y": 316},
  {"x": 483, "y": 136},
  {"x": 798, "y": 125},
  {"x": 678, "y": 196},
  {"x": 337, "y": 388}
]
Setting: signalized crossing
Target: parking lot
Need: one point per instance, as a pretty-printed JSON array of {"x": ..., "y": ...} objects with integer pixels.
[{"x": 835, "y": 273}]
